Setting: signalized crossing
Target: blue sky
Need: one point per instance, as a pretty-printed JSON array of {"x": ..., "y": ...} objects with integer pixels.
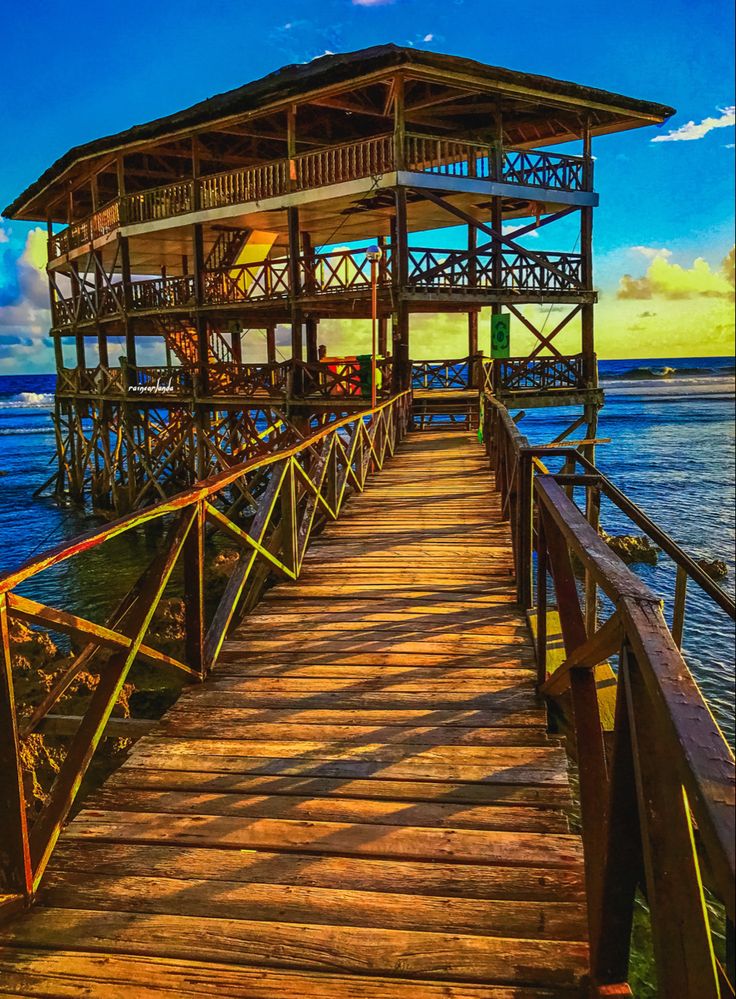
[{"x": 76, "y": 74}]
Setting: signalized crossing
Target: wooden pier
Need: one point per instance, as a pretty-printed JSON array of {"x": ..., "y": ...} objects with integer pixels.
[
  {"x": 359, "y": 793},
  {"x": 362, "y": 801}
]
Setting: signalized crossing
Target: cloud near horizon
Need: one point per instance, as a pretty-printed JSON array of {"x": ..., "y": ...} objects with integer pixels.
[
  {"x": 692, "y": 130},
  {"x": 667, "y": 280}
]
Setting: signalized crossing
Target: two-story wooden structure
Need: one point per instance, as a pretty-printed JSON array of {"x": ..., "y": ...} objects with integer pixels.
[{"x": 234, "y": 215}]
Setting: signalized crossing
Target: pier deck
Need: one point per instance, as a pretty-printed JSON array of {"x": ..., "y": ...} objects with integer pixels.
[{"x": 361, "y": 801}]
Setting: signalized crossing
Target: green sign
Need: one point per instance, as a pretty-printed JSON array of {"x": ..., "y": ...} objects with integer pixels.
[{"x": 501, "y": 335}]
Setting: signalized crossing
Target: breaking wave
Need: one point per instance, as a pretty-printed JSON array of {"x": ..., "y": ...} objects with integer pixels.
[
  {"x": 651, "y": 373},
  {"x": 27, "y": 400}
]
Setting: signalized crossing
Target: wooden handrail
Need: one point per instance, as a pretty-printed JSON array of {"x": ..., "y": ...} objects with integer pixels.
[{"x": 658, "y": 806}]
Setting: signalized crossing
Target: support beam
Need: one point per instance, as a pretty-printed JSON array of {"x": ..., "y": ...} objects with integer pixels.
[
  {"x": 400, "y": 279},
  {"x": 271, "y": 344},
  {"x": 199, "y": 321},
  {"x": 590, "y": 372},
  {"x": 297, "y": 351}
]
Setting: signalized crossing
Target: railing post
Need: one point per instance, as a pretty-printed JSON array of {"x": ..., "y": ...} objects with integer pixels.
[
  {"x": 541, "y": 603},
  {"x": 193, "y": 563},
  {"x": 678, "y": 610},
  {"x": 15, "y": 858},
  {"x": 593, "y": 512},
  {"x": 288, "y": 518},
  {"x": 524, "y": 529},
  {"x": 683, "y": 952},
  {"x": 622, "y": 860}
]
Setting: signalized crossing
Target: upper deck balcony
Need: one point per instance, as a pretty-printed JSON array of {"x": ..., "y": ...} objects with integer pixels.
[{"x": 449, "y": 164}]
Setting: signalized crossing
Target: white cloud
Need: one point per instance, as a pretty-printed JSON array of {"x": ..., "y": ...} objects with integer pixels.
[
  {"x": 4, "y": 238},
  {"x": 652, "y": 252},
  {"x": 428, "y": 38},
  {"x": 509, "y": 229},
  {"x": 371, "y": 3},
  {"x": 690, "y": 130}
]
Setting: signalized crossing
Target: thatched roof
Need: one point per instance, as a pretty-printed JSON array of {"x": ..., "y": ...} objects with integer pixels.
[{"x": 298, "y": 81}]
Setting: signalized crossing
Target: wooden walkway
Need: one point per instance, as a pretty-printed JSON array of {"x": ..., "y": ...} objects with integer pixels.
[{"x": 361, "y": 802}]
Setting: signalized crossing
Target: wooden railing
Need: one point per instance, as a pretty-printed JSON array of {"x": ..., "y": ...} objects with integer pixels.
[
  {"x": 163, "y": 293},
  {"x": 157, "y": 203},
  {"x": 322, "y": 167},
  {"x": 253, "y": 183},
  {"x": 457, "y": 373},
  {"x": 267, "y": 279},
  {"x": 333, "y": 272},
  {"x": 454, "y": 270},
  {"x": 552, "y": 171},
  {"x": 268, "y": 506},
  {"x": 519, "y": 374},
  {"x": 657, "y": 809},
  {"x": 342, "y": 379},
  {"x": 342, "y": 270},
  {"x": 249, "y": 379},
  {"x": 348, "y": 161}
]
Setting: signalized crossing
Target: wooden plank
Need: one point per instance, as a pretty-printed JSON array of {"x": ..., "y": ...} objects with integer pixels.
[
  {"x": 490, "y": 758},
  {"x": 316, "y": 809},
  {"x": 475, "y": 720},
  {"x": 374, "y": 787},
  {"x": 336, "y": 906},
  {"x": 74, "y": 973},
  {"x": 401, "y": 953},
  {"x": 407, "y": 842},
  {"x": 229, "y": 726}
]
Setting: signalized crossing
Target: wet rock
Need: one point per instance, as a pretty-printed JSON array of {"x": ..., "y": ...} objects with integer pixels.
[
  {"x": 224, "y": 562},
  {"x": 37, "y": 662},
  {"x": 716, "y": 568},
  {"x": 632, "y": 548}
]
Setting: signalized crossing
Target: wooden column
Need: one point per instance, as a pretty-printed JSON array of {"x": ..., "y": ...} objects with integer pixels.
[
  {"x": 120, "y": 173},
  {"x": 496, "y": 155},
  {"x": 52, "y": 286},
  {"x": 472, "y": 281},
  {"x": 58, "y": 353},
  {"x": 586, "y": 250},
  {"x": 195, "y": 172},
  {"x": 271, "y": 344},
  {"x": 400, "y": 278},
  {"x": 297, "y": 351},
  {"x": 312, "y": 328},
  {"x": 236, "y": 346},
  {"x": 291, "y": 144},
  {"x": 102, "y": 349},
  {"x": 399, "y": 123},
  {"x": 130, "y": 352},
  {"x": 382, "y": 275},
  {"x": 200, "y": 322},
  {"x": 312, "y": 322},
  {"x": 99, "y": 289},
  {"x": 587, "y": 313}
]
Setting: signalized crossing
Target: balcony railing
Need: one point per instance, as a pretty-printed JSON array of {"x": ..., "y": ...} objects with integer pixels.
[
  {"x": 447, "y": 272},
  {"x": 519, "y": 374},
  {"x": 163, "y": 293},
  {"x": 454, "y": 270},
  {"x": 339, "y": 379},
  {"x": 324, "y": 167}
]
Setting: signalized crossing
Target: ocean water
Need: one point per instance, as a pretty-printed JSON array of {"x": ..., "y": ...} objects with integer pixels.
[{"x": 671, "y": 429}]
